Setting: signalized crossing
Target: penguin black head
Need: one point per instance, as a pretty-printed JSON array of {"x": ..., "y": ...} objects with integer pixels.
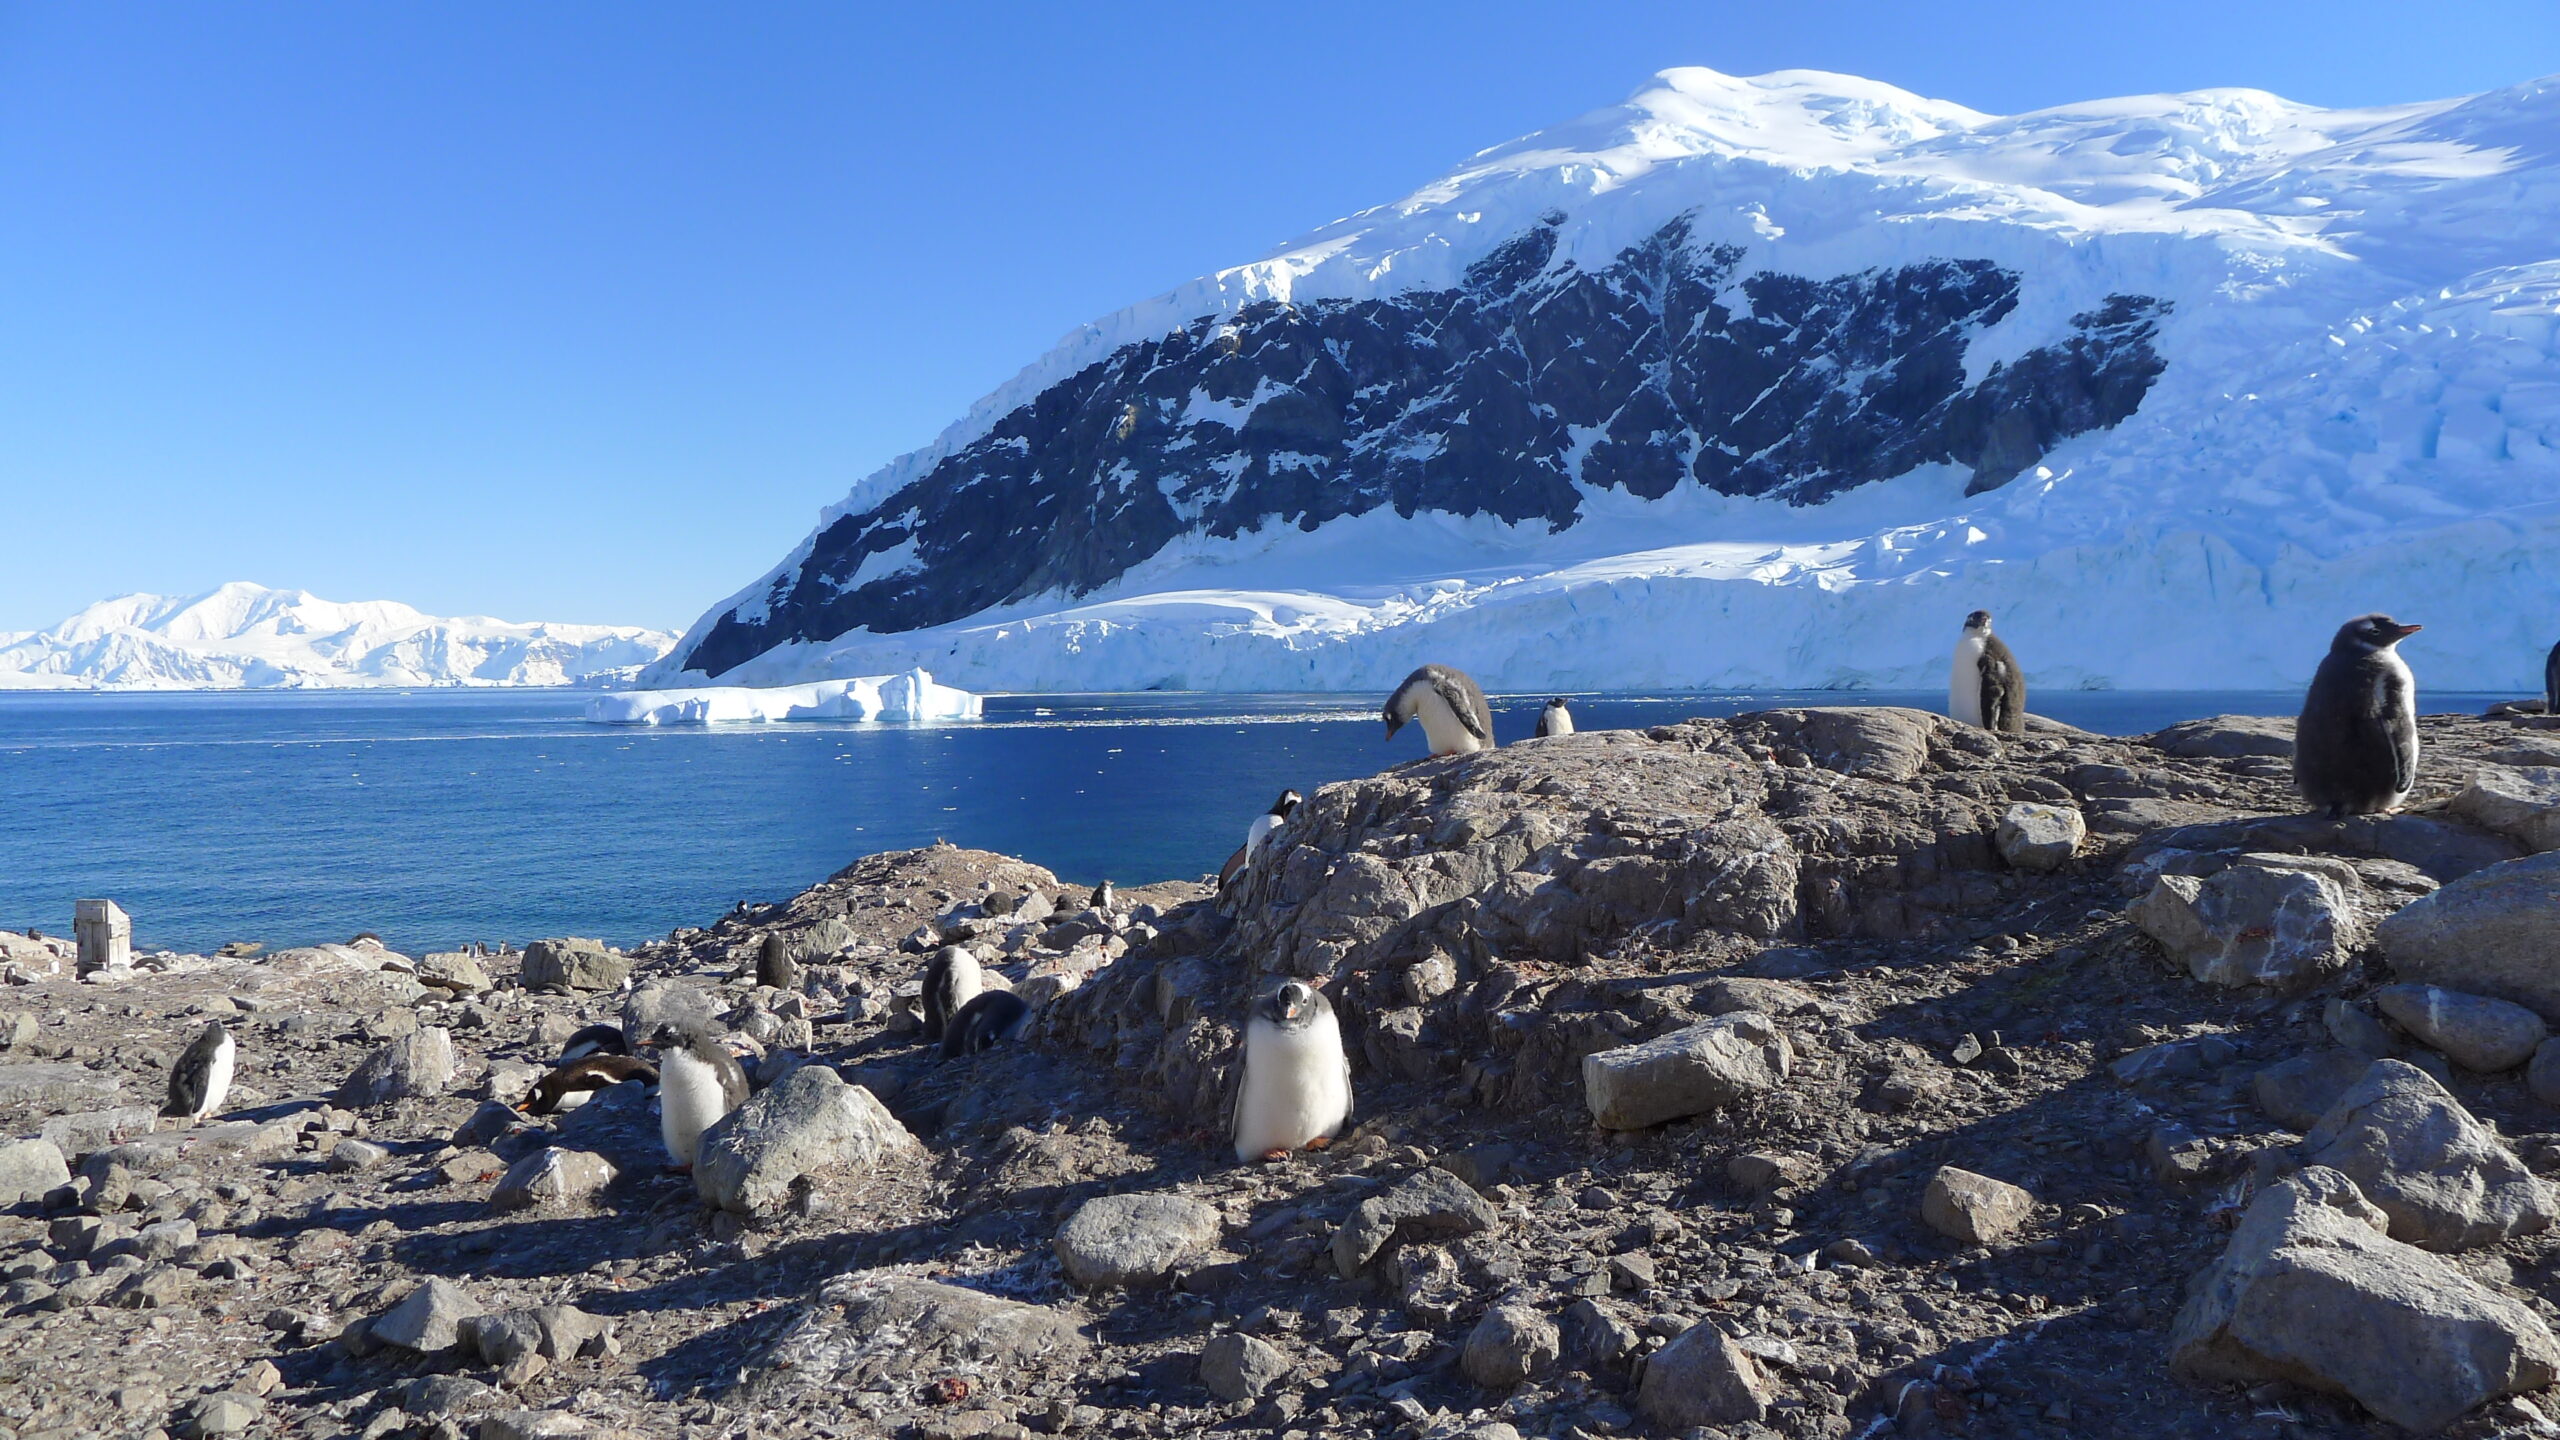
[
  {"x": 1978, "y": 620},
  {"x": 1289, "y": 800},
  {"x": 1293, "y": 1005},
  {"x": 2366, "y": 634}
]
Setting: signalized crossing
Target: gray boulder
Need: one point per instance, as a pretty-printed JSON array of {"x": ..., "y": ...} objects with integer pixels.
[
  {"x": 453, "y": 970},
  {"x": 552, "y": 1176},
  {"x": 573, "y": 964},
  {"x": 52, "y": 1089},
  {"x": 1974, "y": 1209},
  {"x": 417, "y": 1064},
  {"x": 667, "y": 1002},
  {"x": 2295, "y": 1093},
  {"x": 810, "y": 1124},
  {"x": 1132, "y": 1241},
  {"x": 429, "y": 1319},
  {"x": 1240, "y": 1367},
  {"x": 1512, "y": 1344},
  {"x": 1426, "y": 1205},
  {"x": 2310, "y": 1291},
  {"x": 2228, "y": 737},
  {"x": 2445, "y": 1180},
  {"x": 77, "y": 1135},
  {"x": 29, "y": 1168},
  {"x": 2522, "y": 803},
  {"x": 555, "y": 1332},
  {"x": 1702, "y": 1378},
  {"x": 1687, "y": 1072},
  {"x": 2488, "y": 933},
  {"x": 2274, "y": 920},
  {"x": 2474, "y": 1031},
  {"x": 871, "y": 1326},
  {"x": 2040, "y": 838},
  {"x": 1731, "y": 994},
  {"x": 2542, "y": 1076}
]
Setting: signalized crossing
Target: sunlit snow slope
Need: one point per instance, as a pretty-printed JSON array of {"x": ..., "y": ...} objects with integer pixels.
[
  {"x": 1767, "y": 381},
  {"x": 245, "y": 636}
]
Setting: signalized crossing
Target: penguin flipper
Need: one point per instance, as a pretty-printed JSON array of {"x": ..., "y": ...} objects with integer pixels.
[{"x": 2403, "y": 729}]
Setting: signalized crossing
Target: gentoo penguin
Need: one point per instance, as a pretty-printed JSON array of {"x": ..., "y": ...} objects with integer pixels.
[
  {"x": 774, "y": 965},
  {"x": 998, "y": 1015},
  {"x": 2355, "y": 749},
  {"x": 202, "y": 1076},
  {"x": 1104, "y": 897},
  {"x": 1296, "y": 1088},
  {"x": 1556, "y": 719},
  {"x": 1985, "y": 687},
  {"x": 1451, "y": 707},
  {"x": 580, "y": 1081},
  {"x": 2551, "y": 682},
  {"x": 595, "y": 1040},
  {"x": 698, "y": 1082},
  {"x": 951, "y": 981},
  {"x": 1263, "y": 824}
]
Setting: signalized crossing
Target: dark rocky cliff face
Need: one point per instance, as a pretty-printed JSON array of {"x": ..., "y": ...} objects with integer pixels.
[{"x": 1488, "y": 398}]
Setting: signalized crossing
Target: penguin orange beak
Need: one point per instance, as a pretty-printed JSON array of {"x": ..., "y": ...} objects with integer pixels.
[{"x": 2406, "y": 630}]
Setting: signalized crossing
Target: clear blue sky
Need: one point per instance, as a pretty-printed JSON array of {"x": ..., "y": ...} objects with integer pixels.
[{"x": 579, "y": 311}]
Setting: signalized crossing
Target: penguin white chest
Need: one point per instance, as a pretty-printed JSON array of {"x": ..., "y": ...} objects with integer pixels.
[
  {"x": 689, "y": 1101},
  {"x": 1559, "y": 722},
  {"x": 217, "y": 1078},
  {"x": 1441, "y": 726},
  {"x": 1297, "y": 1086},
  {"x": 1261, "y": 831},
  {"x": 1964, "y": 681}
]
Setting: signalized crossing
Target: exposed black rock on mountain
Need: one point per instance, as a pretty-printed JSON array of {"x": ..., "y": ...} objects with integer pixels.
[{"x": 1505, "y": 395}]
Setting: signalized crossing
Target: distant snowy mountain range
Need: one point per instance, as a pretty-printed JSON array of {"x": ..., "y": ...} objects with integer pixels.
[
  {"x": 244, "y": 636},
  {"x": 1767, "y": 381}
]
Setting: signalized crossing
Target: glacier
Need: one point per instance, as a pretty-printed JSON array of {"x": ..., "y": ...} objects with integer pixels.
[
  {"x": 245, "y": 636},
  {"x": 910, "y": 696},
  {"x": 2357, "y": 407}
]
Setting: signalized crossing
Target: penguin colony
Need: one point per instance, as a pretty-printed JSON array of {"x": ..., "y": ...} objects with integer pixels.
[{"x": 2356, "y": 753}]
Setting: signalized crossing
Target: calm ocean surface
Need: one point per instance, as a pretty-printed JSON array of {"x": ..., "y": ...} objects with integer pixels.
[{"x": 439, "y": 817}]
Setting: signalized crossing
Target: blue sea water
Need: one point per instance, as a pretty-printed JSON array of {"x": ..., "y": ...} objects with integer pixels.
[{"x": 439, "y": 817}]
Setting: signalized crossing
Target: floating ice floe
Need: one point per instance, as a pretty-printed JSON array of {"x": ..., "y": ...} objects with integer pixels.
[{"x": 910, "y": 696}]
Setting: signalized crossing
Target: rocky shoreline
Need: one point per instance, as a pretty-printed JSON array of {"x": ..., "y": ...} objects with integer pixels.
[{"x": 1812, "y": 1073}]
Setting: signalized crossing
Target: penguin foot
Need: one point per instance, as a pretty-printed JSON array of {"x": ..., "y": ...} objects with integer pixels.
[
  {"x": 1269, "y": 1156},
  {"x": 1320, "y": 1142}
]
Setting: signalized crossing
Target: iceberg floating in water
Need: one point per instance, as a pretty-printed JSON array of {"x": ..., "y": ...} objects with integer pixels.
[{"x": 909, "y": 696}]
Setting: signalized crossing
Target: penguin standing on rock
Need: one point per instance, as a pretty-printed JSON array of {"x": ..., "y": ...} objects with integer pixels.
[
  {"x": 2355, "y": 748},
  {"x": 774, "y": 965},
  {"x": 1450, "y": 705},
  {"x": 698, "y": 1082},
  {"x": 2551, "y": 682},
  {"x": 1296, "y": 1089},
  {"x": 1985, "y": 687},
  {"x": 1556, "y": 719},
  {"x": 951, "y": 981},
  {"x": 1263, "y": 824},
  {"x": 1104, "y": 897},
  {"x": 580, "y": 1081},
  {"x": 202, "y": 1077},
  {"x": 996, "y": 1016}
]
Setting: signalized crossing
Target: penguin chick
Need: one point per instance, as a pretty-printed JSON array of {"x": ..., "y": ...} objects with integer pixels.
[
  {"x": 1450, "y": 705},
  {"x": 951, "y": 980},
  {"x": 1985, "y": 687},
  {"x": 2355, "y": 747},
  {"x": 1296, "y": 1088},
  {"x": 595, "y": 1040},
  {"x": 580, "y": 1081},
  {"x": 998, "y": 1015},
  {"x": 1556, "y": 719},
  {"x": 202, "y": 1077},
  {"x": 1104, "y": 897},
  {"x": 774, "y": 965},
  {"x": 698, "y": 1082}
]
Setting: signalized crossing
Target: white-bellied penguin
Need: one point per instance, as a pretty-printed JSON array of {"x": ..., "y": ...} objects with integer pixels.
[
  {"x": 1985, "y": 687},
  {"x": 201, "y": 1079},
  {"x": 1451, "y": 706},
  {"x": 1295, "y": 1092}
]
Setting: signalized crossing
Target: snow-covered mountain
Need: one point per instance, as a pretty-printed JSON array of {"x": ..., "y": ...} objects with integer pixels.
[
  {"x": 1768, "y": 381},
  {"x": 244, "y": 636}
]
